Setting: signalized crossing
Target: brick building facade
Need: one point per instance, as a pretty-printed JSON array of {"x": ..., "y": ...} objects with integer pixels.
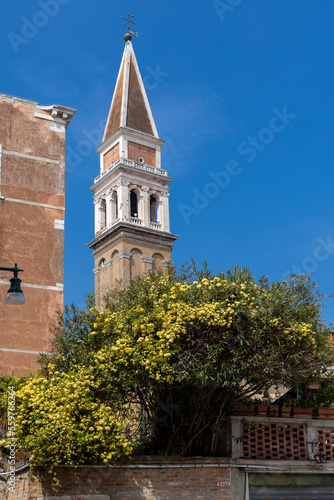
[{"x": 32, "y": 209}]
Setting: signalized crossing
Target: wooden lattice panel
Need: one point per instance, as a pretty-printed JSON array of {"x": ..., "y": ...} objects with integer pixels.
[
  {"x": 274, "y": 441},
  {"x": 326, "y": 443}
]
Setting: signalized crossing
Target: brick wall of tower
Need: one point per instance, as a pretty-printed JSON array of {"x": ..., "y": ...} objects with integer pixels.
[
  {"x": 125, "y": 258},
  {"x": 111, "y": 155},
  {"x": 136, "y": 151},
  {"x": 32, "y": 209}
]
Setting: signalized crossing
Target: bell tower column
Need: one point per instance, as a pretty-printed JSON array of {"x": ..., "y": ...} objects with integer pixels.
[
  {"x": 123, "y": 200},
  {"x": 165, "y": 211},
  {"x": 146, "y": 206}
]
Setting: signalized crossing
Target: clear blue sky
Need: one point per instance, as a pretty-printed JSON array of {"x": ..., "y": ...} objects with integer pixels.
[{"x": 242, "y": 93}]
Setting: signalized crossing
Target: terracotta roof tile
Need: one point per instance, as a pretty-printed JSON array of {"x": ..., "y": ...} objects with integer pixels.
[
  {"x": 114, "y": 119},
  {"x": 137, "y": 115},
  {"x": 130, "y": 107}
]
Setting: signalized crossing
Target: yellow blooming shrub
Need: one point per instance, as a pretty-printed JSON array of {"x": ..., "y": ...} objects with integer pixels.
[
  {"x": 159, "y": 369},
  {"x": 61, "y": 421}
]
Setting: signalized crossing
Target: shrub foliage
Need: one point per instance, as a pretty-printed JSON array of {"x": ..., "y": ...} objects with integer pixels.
[{"x": 166, "y": 361}]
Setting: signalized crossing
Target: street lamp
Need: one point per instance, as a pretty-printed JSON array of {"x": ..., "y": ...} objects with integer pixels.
[{"x": 14, "y": 295}]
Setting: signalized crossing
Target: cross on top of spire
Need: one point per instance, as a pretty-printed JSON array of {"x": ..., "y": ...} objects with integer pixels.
[
  {"x": 128, "y": 21},
  {"x": 128, "y": 35}
]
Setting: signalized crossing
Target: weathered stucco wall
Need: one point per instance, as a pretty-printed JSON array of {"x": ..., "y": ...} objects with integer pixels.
[{"x": 32, "y": 210}]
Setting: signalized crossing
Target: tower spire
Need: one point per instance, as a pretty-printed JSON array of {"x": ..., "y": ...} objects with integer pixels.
[
  {"x": 130, "y": 106},
  {"x": 132, "y": 233}
]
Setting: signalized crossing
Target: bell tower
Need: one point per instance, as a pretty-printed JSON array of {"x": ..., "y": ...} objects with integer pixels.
[{"x": 132, "y": 230}]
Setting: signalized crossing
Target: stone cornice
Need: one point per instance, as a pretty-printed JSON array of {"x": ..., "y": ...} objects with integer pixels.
[
  {"x": 124, "y": 255},
  {"x": 133, "y": 229},
  {"x": 148, "y": 260},
  {"x": 59, "y": 114},
  {"x": 135, "y": 134},
  {"x": 56, "y": 113}
]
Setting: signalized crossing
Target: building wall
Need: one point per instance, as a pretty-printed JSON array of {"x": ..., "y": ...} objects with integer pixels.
[
  {"x": 168, "y": 478},
  {"x": 126, "y": 256},
  {"x": 32, "y": 212},
  {"x": 299, "y": 475},
  {"x": 136, "y": 151},
  {"x": 160, "y": 480},
  {"x": 112, "y": 155}
]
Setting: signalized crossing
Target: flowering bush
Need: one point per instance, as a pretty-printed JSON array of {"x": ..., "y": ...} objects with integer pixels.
[
  {"x": 61, "y": 421},
  {"x": 159, "y": 369}
]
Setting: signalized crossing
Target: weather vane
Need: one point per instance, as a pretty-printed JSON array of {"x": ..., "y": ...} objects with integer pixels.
[{"x": 128, "y": 21}]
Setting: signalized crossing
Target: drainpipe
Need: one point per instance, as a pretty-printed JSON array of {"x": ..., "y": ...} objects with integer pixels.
[
  {"x": 1, "y": 197},
  {"x": 246, "y": 495}
]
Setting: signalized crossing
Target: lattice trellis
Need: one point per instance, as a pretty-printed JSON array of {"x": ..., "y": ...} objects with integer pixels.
[
  {"x": 274, "y": 441},
  {"x": 326, "y": 443}
]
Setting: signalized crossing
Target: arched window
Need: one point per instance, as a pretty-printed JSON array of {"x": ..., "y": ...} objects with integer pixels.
[
  {"x": 135, "y": 262},
  {"x": 116, "y": 202},
  {"x": 153, "y": 209},
  {"x": 133, "y": 204},
  {"x": 158, "y": 263}
]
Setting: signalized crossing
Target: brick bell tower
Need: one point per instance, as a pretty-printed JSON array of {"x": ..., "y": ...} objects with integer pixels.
[{"x": 132, "y": 231}]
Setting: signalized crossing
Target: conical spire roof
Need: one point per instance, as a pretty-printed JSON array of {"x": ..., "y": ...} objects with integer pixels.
[{"x": 130, "y": 107}]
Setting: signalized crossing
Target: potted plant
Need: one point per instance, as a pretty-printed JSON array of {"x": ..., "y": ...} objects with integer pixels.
[
  {"x": 303, "y": 408},
  {"x": 273, "y": 410},
  {"x": 244, "y": 410},
  {"x": 298, "y": 408},
  {"x": 324, "y": 413},
  {"x": 284, "y": 411},
  {"x": 261, "y": 407},
  {"x": 324, "y": 400}
]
